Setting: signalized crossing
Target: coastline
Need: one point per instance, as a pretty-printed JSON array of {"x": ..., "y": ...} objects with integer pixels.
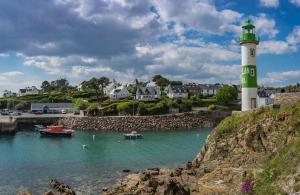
[{"x": 202, "y": 119}]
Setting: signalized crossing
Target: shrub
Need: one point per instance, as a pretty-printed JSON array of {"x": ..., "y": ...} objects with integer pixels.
[
  {"x": 247, "y": 187},
  {"x": 81, "y": 104},
  {"x": 212, "y": 107},
  {"x": 226, "y": 94},
  {"x": 22, "y": 106},
  {"x": 93, "y": 110}
]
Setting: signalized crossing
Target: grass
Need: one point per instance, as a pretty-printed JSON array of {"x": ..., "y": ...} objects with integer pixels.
[{"x": 276, "y": 167}]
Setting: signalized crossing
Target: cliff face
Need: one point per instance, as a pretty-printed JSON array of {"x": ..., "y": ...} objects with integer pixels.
[{"x": 256, "y": 152}]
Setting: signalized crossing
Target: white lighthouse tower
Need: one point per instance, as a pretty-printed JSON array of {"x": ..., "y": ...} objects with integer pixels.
[{"x": 248, "y": 42}]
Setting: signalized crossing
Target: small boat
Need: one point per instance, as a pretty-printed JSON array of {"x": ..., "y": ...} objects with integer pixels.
[
  {"x": 56, "y": 131},
  {"x": 39, "y": 127},
  {"x": 133, "y": 135}
]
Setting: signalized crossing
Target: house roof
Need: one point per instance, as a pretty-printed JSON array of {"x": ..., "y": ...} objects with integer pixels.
[
  {"x": 178, "y": 89},
  {"x": 151, "y": 90},
  {"x": 40, "y": 106}
]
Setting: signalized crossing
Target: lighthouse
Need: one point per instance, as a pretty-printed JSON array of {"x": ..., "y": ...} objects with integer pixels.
[{"x": 248, "y": 42}]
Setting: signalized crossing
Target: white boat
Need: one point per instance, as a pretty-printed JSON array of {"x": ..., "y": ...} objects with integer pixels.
[
  {"x": 39, "y": 127},
  {"x": 133, "y": 135}
]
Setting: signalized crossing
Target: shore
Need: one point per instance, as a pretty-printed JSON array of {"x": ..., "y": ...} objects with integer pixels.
[{"x": 201, "y": 119}]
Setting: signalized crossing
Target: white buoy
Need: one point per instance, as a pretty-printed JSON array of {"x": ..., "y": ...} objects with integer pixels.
[
  {"x": 84, "y": 146},
  {"x": 94, "y": 137}
]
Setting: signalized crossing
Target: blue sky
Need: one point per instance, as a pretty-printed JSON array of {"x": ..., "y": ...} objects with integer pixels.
[{"x": 191, "y": 40}]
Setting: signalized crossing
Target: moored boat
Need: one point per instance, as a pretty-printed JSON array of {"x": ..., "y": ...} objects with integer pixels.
[
  {"x": 133, "y": 135},
  {"x": 56, "y": 131}
]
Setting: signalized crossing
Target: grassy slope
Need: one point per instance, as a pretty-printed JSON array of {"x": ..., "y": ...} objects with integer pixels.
[{"x": 278, "y": 168}]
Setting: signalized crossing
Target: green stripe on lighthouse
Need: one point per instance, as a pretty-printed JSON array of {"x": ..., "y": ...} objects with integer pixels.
[{"x": 249, "y": 78}]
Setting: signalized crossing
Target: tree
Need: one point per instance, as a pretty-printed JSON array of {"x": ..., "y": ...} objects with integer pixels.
[
  {"x": 160, "y": 81},
  {"x": 46, "y": 87},
  {"x": 97, "y": 85},
  {"x": 81, "y": 104},
  {"x": 60, "y": 84},
  {"x": 226, "y": 94}
]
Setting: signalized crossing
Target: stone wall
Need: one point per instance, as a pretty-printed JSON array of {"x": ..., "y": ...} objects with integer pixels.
[
  {"x": 143, "y": 123},
  {"x": 286, "y": 98}
]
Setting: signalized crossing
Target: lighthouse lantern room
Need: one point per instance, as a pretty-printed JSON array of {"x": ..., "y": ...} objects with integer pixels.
[{"x": 248, "y": 42}]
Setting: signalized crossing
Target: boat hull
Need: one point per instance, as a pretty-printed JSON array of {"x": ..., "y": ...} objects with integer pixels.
[{"x": 56, "y": 134}]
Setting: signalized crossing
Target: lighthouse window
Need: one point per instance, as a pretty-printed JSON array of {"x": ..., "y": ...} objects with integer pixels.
[
  {"x": 252, "y": 52},
  {"x": 252, "y": 72}
]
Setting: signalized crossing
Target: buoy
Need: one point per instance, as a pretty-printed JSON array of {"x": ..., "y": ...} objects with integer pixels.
[
  {"x": 84, "y": 146},
  {"x": 94, "y": 137}
]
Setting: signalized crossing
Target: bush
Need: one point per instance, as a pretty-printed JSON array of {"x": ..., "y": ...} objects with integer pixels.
[
  {"x": 22, "y": 106},
  {"x": 93, "y": 110},
  {"x": 110, "y": 110},
  {"x": 226, "y": 94},
  {"x": 81, "y": 104},
  {"x": 212, "y": 107}
]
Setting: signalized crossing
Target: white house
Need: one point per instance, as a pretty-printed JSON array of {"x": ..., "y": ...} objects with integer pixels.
[
  {"x": 111, "y": 86},
  {"x": 264, "y": 99},
  {"x": 29, "y": 91},
  {"x": 150, "y": 92},
  {"x": 7, "y": 93},
  {"x": 119, "y": 92},
  {"x": 176, "y": 91}
]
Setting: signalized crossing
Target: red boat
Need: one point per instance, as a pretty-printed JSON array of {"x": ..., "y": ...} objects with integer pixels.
[{"x": 56, "y": 131}]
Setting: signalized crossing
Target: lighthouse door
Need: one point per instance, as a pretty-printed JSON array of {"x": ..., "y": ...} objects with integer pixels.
[{"x": 253, "y": 103}]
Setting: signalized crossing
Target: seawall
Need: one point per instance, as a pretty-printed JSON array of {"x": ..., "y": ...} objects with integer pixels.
[{"x": 142, "y": 123}]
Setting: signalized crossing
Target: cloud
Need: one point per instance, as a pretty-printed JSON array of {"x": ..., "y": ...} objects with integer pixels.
[
  {"x": 269, "y": 3},
  {"x": 275, "y": 47},
  {"x": 196, "y": 14},
  {"x": 295, "y": 2},
  {"x": 281, "y": 77},
  {"x": 289, "y": 45},
  {"x": 294, "y": 37},
  {"x": 11, "y": 74},
  {"x": 265, "y": 25},
  {"x": 91, "y": 27}
]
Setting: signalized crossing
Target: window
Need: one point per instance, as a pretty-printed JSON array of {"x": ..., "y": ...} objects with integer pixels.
[
  {"x": 252, "y": 72},
  {"x": 252, "y": 52}
]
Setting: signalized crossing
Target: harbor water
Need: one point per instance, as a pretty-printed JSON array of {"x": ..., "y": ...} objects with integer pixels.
[{"x": 30, "y": 161}]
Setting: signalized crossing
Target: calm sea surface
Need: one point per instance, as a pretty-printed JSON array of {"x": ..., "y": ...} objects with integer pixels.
[{"x": 28, "y": 160}]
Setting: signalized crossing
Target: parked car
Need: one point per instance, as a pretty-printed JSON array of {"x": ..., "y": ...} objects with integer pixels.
[
  {"x": 63, "y": 112},
  {"x": 38, "y": 112},
  {"x": 16, "y": 113},
  {"x": 76, "y": 112},
  {"x": 4, "y": 113}
]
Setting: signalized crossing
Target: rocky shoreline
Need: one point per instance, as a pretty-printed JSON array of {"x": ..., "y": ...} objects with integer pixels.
[
  {"x": 203, "y": 119},
  {"x": 233, "y": 152}
]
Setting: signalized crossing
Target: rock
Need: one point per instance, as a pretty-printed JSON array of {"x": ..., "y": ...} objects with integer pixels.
[
  {"x": 61, "y": 187},
  {"x": 175, "y": 188},
  {"x": 48, "y": 193},
  {"x": 24, "y": 192},
  {"x": 126, "y": 170}
]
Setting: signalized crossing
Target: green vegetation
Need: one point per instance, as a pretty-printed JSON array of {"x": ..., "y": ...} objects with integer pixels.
[
  {"x": 283, "y": 163},
  {"x": 226, "y": 94}
]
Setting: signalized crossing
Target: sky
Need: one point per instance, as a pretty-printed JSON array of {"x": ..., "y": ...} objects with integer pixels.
[{"x": 190, "y": 40}]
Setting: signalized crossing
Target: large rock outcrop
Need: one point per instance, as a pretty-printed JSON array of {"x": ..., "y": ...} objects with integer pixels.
[{"x": 261, "y": 147}]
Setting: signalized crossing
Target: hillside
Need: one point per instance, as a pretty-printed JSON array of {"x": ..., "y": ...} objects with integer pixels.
[{"x": 256, "y": 152}]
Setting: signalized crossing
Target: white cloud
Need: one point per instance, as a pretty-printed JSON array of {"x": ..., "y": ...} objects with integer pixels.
[
  {"x": 265, "y": 25},
  {"x": 269, "y": 3},
  {"x": 196, "y": 14},
  {"x": 4, "y": 55},
  {"x": 11, "y": 74},
  {"x": 281, "y": 77},
  {"x": 294, "y": 37},
  {"x": 295, "y": 2},
  {"x": 275, "y": 47}
]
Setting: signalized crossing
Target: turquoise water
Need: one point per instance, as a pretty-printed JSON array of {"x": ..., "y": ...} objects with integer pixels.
[{"x": 28, "y": 160}]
